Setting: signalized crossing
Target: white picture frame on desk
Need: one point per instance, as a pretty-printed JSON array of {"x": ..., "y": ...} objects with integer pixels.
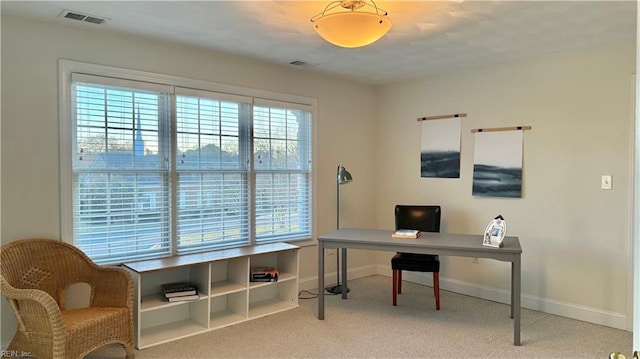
[{"x": 495, "y": 232}]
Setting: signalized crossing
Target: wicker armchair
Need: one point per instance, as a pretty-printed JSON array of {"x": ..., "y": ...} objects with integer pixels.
[{"x": 35, "y": 275}]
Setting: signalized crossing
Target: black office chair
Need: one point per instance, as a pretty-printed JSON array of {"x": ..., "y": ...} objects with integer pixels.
[{"x": 424, "y": 219}]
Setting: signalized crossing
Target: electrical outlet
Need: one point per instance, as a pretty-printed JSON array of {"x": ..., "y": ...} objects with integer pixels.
[{"x": 474, "y": 260}]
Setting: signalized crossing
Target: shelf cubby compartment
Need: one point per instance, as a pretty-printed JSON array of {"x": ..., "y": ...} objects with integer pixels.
[
  {"x": 229, "y": 276},
  {"x": 272, "y": 297},
  {"x": 151, "y": 286},
  {"x": 286, "y": 262},
  {"x": 173, "y": 321},
  {"x": 228, "y": 309}
]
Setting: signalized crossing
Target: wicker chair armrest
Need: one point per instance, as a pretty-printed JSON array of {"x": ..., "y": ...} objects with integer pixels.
[
  {"x": 34, "y": 309},
  {"x": 113, "y": 287}
]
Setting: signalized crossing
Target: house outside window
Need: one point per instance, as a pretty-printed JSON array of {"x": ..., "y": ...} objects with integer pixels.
[{"x": 163, "y": 166}]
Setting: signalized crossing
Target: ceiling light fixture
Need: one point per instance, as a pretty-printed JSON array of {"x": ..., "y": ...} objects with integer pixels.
[{"x": 349, "y": 24}]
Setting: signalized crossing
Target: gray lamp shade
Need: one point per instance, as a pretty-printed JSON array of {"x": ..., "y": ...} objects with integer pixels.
[{"x": 343, "y": 175}]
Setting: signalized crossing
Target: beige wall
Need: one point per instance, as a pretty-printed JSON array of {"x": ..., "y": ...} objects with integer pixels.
[{"x": 576, "y": 238}]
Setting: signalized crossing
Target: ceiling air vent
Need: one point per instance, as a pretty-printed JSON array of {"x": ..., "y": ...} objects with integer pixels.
[{"x": 75, "y": 15}]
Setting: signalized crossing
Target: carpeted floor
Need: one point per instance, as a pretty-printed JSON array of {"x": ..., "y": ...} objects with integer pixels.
[{"x": 368, "y": 326}]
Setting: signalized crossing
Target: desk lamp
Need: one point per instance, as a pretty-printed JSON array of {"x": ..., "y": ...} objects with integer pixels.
[{"x": 343, "y": 177}]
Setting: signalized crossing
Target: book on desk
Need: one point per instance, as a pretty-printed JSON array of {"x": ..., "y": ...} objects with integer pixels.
[{"x": 406, "y": 233}]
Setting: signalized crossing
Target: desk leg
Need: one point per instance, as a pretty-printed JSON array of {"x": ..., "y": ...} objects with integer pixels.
[
  {"x": 513, "y": 289},
  {"x": 344, "y": 273},
  {"x": 515, "y": 298},
  {"x": 320, "y": 280}
]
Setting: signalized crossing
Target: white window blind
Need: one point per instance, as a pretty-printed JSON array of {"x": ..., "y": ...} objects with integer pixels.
[
  {"x": 282, "y": 162},
  {"x": 161, "y": 169},
  {"x": 120, "y": 175},
  {"x": 212, "y": 169}
]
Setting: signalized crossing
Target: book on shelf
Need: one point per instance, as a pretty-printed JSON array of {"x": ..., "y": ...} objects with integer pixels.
[
  {"x": 183, "y": 298},
  {"x": 406, "y": 233},
  {"x": 179, "y": 289},
  {"x": 264, "y": 274}
]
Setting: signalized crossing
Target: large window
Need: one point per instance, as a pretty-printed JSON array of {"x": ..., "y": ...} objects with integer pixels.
[{"x": 159, "y": 168}]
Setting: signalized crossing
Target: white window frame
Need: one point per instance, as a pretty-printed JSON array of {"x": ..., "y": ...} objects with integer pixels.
[{"x": 67, "y": 68}]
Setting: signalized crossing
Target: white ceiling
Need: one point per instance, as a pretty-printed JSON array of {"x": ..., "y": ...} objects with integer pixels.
[{"x": 427, "y": 37}]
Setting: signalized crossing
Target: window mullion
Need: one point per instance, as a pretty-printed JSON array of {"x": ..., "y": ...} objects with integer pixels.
[
  {"x": 251, "y": 173},
  {"x": 173, "y": 175}
]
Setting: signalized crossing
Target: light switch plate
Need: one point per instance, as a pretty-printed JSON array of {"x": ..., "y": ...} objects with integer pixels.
[{"x": 606, "y": 182}]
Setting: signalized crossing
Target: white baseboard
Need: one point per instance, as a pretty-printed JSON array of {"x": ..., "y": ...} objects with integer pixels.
[{"x": 550, "y": 306}]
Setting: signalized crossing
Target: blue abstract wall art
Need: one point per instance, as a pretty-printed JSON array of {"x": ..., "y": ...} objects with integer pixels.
[
  {"x": 440, "y": 149},
  {"x": 497, "y": 165}
]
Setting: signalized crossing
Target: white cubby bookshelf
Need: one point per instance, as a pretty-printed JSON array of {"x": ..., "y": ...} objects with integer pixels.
[{"x": 227, "y": 296}]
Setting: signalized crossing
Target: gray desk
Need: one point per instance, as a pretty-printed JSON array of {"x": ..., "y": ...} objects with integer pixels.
[{"x": 446, "y": 244}]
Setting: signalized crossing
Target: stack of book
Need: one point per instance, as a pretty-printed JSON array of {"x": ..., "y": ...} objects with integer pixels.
[
  {"x": 180, "y": 291},
  {"x": 264, "y": 274},
  {"x": 406, "y": 233}
]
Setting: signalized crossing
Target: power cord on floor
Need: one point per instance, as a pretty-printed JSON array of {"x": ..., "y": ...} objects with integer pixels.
[
  {"x": 306, "y": 292},
  {"x": 311, "y": 295}
]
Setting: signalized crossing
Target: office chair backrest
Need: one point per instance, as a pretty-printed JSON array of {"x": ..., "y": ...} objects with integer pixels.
[{"x": 422, "y": 218}]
